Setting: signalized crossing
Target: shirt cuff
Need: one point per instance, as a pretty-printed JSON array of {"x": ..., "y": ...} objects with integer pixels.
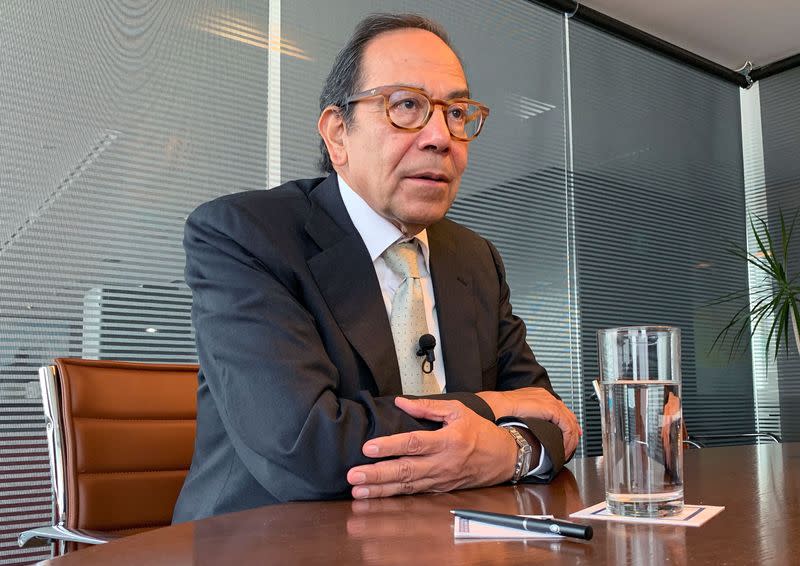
[{"x": 545, "y": 465}]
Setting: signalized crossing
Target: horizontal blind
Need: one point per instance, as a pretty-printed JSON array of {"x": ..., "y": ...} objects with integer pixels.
[
  {"x": 780, "y": 134},
  {"x": 514, "y": 190},
  {"x": 116, "y": 120},
  {"x": 658, "y": 198}
]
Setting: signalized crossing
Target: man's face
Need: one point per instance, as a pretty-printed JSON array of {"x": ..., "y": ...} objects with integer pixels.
[{"x": 391, "y": 169}]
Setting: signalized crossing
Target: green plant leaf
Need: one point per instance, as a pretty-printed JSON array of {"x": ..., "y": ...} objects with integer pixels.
[{"x": 775, "y": 300}]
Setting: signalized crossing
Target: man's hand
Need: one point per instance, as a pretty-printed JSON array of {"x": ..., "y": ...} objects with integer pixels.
[
  {"x": 468, "y": 451},
  {"x": 536, "y": 403}
]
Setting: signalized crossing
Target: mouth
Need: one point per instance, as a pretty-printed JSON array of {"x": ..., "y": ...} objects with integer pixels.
[{"x": 431, "y": 176}]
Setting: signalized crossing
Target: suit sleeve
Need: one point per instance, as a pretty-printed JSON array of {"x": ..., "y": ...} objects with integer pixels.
[
  {"x": 266, "y": 367},
  {"x": 517, "y": 368}
]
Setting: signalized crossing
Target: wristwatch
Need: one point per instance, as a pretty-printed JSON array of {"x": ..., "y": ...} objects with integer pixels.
[{"x": 524, "y": 452}]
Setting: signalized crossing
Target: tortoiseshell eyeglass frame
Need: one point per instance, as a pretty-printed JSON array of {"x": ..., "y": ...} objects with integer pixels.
[{"x": 388, "y": 90}]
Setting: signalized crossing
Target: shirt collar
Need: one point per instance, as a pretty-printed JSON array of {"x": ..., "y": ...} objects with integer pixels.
[{"x": 376, "y": 231}]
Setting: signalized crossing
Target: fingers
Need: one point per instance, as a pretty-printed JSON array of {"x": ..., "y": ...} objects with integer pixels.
[
  {"x": 572, "y": 433},
  {"x": 571, "y": 440},
  {"x": 536, "y": 402},
  {"x": 390, "y": 489},
  {"x": 565, "y": 419},
  {"x": 391, "y": 477},
  {"x": 409, "y": 450},
  {"x": 416, "y": 443},
  {"x": 431, "y": 409},
  {"x": 570, "y": 430},
  {"x": 568, "y": 423},
  {"x": 559, "y": 414},
  {"x": 459, "y": 454}
]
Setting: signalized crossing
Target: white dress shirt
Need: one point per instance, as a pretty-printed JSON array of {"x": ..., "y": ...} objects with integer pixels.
[{"x": 378, "y": 234}]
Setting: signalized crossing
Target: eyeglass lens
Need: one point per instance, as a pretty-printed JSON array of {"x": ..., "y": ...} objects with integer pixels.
[{"x": 408, "y": 109}]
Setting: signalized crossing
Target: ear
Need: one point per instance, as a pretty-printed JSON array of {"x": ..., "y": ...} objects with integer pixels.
[{"x": 331, "y": 128}]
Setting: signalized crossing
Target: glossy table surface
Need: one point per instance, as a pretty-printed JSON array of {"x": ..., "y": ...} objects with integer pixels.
[{"x": 758, "y": 485}]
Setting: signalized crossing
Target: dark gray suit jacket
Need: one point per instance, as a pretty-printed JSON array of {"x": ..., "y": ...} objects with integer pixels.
[{"x": 297, "y": 362}]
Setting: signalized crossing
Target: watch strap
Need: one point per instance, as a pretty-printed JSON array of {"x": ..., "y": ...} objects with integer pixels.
[{"x": 524, "y": 452}]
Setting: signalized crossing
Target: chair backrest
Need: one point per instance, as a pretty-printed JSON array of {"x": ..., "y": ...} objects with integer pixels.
[{"x": 121, "y": 437}]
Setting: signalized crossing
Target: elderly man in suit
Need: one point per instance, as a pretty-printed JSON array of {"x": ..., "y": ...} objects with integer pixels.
[{"x": 309, "y": 301}]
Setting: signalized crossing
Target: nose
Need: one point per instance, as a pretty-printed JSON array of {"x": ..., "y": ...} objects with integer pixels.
[{"x": 435, "y": 135}]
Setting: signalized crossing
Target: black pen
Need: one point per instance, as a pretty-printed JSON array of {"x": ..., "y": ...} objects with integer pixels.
[{"x": 550, "y": 526}]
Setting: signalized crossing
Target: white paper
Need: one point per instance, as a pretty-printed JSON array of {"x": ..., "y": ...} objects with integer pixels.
[
  {"x": 469, "y": 528},
  {"x": 691, "y": 516}
]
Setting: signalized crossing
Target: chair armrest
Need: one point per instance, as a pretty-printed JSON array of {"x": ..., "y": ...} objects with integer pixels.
[{"x": 43, "y": 535}]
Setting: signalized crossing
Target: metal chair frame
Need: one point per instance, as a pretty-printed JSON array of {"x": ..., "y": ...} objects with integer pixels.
[{"x": 58, "y": 532}]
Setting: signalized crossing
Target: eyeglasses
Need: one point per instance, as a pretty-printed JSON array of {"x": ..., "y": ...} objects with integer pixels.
[{"x": 409, "y": 108}]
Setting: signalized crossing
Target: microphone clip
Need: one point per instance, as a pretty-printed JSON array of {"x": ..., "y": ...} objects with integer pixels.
[{"x": 426, "y": 345}]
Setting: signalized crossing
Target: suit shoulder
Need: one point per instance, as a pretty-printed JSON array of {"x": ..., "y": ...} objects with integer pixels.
[
  {"x": 461, "y": 232},
  {"x": 291, "y": 196},
  {"x": 470, "y": 246},
  {"x": 268, "y": 225}
]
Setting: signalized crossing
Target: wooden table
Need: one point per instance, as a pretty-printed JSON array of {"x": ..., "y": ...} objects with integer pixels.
[{"x": 758, "y": 485}]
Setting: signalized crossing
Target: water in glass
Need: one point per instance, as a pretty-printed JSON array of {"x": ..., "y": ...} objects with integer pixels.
[{"x": 642, "y": 445}]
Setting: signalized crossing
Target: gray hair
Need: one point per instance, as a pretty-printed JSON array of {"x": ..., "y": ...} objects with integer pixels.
[{"x": 346, "y": 72}]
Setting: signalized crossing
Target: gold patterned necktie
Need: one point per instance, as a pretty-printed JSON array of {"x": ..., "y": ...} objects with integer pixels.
[{"x": 408, "y": 319}]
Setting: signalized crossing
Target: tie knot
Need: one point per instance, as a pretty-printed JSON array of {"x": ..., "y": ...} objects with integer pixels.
[{"x": 401, "y": 257}]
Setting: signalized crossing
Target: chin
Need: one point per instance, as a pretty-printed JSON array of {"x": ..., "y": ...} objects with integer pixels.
[
  {"x": 422, "y": 212},
  {"x": 423, "y": 220}
]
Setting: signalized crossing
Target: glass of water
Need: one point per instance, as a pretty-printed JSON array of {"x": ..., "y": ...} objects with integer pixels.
[{"x": 640, "y": 391}]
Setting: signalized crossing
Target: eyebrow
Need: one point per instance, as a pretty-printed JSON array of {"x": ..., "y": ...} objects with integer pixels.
[{"x": 462, "y": 93}]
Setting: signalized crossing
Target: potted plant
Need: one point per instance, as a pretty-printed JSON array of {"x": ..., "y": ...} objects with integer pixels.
[{"x": 776, "y": 298}]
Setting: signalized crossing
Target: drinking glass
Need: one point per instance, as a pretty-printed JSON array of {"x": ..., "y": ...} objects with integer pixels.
[{"x": 640, "y": 394}]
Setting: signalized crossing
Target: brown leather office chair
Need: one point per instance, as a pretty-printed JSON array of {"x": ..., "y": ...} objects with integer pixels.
[{"x": 120, "y": 437}]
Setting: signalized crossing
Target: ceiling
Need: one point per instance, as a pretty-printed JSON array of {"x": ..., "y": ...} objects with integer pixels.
[{"x": 728, "y": 32}]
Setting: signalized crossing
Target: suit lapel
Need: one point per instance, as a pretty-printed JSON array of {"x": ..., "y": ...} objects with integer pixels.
[
  {"x": 455, "y": 308},
  {"x": 346, "y": 278}
]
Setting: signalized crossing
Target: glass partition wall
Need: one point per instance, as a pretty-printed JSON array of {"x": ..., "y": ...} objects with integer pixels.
[
  {"x": 609, "y": 178},
  {"x": 659, "y": 198},
  {"x": 116, "y": 120},
  {"x": 771, "y": 132},
  {"x": 780, "y": 122}
]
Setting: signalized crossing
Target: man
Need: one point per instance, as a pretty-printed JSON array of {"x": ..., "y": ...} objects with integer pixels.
[{"x": 309, "y": 300}]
